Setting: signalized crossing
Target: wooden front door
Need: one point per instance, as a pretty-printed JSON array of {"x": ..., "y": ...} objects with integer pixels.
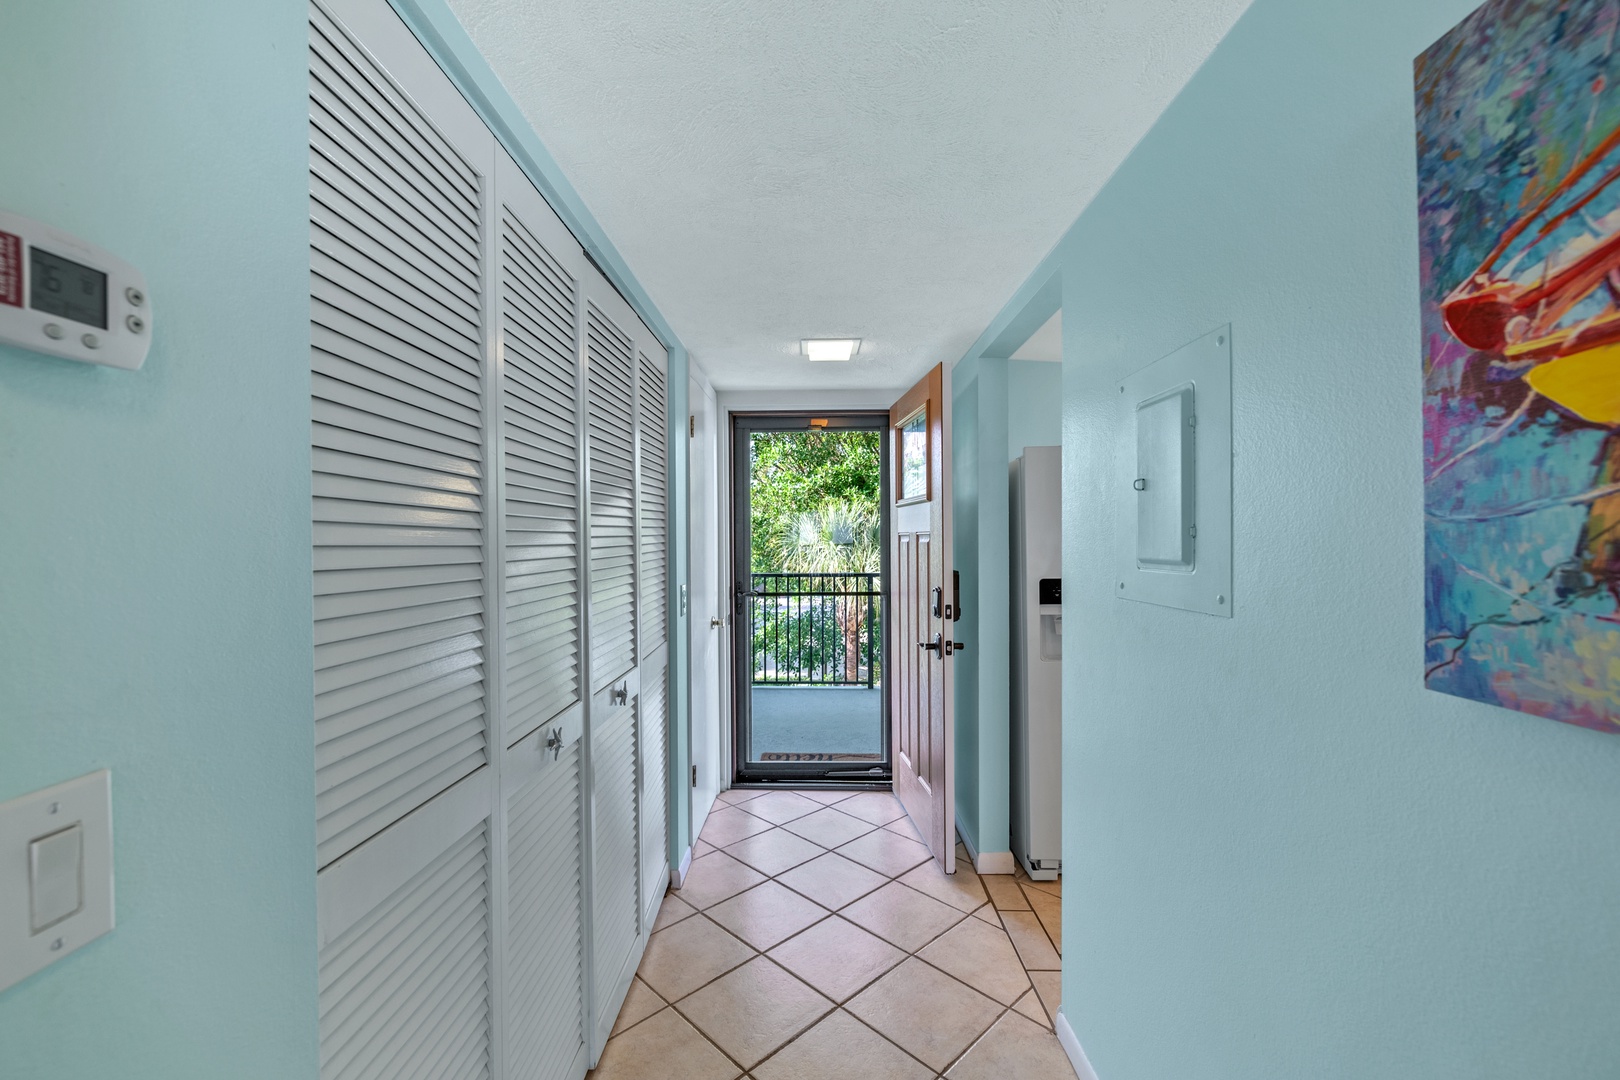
[{"x": 922, "y": 613}]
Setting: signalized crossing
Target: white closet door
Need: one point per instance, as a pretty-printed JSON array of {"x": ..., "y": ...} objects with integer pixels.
[
  {"x": 652, "y": 713},
  {"x": 616, "y": 857},
  {"x": 539, "y": 371},
  {"x": 408, "y": 847},
  {"x": 397, "y": 281}
]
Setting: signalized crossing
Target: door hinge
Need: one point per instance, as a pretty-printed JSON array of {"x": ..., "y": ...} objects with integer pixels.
[
  {"x": 694, "y": 776},
  {"x": 691, "y": 426}
]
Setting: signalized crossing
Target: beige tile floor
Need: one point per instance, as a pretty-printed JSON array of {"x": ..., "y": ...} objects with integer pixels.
[{"x": 815, "y": 939}]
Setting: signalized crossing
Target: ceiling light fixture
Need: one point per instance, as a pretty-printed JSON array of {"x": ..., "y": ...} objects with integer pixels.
[{"x": 830, "y": 349}]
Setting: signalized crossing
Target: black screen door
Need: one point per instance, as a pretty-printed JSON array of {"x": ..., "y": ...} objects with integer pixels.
[{"x": 810, "y": 565}]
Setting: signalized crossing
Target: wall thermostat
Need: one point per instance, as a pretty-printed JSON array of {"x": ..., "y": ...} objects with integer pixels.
[{"x": 64, "y": 297}]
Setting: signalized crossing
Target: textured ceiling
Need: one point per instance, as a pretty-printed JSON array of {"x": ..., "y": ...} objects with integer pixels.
[{"x": 884, "y": 170}]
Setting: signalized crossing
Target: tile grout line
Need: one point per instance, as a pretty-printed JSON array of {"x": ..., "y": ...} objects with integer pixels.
[
  {"x": 777, "y": 1050},
  {"x": 837, "y": 1007},
  {"x": 910, "y": 954},
  {"x": 1040, "y": 922}
]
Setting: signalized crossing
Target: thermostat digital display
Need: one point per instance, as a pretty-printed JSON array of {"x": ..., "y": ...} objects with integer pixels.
[
  {"x": 64, "y": 297},
  {"x": 63, "y": 287}
]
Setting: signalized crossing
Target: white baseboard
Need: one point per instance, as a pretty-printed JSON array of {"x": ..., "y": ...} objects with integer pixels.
[
  {"x": 678, "y": 875},
  {"x": 986, "y": 862},
  {"x": 1071, "y": 1046},
  {"x": 995, "y": 862}
]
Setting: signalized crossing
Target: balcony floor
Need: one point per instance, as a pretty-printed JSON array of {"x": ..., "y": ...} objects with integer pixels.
[{"x": 817, "y": 723}]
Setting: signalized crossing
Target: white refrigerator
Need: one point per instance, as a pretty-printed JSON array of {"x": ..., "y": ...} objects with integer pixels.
[{"x": 1037, "y": 661}]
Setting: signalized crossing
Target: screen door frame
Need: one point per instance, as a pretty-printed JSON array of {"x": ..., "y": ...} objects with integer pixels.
[{"x": 746, "y": 771}]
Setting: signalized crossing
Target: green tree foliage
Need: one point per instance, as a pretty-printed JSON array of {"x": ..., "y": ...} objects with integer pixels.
[
  {"x": 802, "y": 472},
  {"x": 813, "y": 508},
  {"x": 841, "y": 536}
]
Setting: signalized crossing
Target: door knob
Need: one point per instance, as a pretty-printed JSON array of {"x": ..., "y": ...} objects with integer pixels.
[
  {"x": 554, "y": 743},
  {"x": 936, "y": 646}
]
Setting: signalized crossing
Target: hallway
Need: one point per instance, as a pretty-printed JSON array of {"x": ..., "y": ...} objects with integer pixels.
[
  {"x": 445, "y": 444},
  {"x": 814, "y": 939}
]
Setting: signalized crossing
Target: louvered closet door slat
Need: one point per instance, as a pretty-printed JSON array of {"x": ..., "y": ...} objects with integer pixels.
[
  {"x": 357, "y": 454},
  {"x": 399, "y": 501},
  {"x": 542, "y": 630},
  {"x": 404, "y": 993},
  {"x": 335, "y": 465},
  {"x": 654, "y": 506},
  {"x": 396, "y": 424},
  {"x": 357, "y": 648},
  {"x": 617, "y": 858},
  {"x": 612, "y": 463},
  {"x": 386, "y": 122},
  {"x": 340, "y": 223},
  {"x": 394, "y": 305},
  {"x": 545, "y": 946},
  {"x": 651, "y": 714},
  {"x": 379, "y": 286},
  {"x": 374, "y": 317},
  {"x": 346, "y": 180},
  {"x": 379, "y": 187}
]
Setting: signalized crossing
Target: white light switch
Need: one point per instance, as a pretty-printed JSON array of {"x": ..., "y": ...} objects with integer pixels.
[
  {"x": 55, "y": 877},
  {"x": 56, "y": 873}
]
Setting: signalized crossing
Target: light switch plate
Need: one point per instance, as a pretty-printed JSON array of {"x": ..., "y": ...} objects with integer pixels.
[
  {"x": 86, "y": 803},
  {"x": 1173, "y": 488}
]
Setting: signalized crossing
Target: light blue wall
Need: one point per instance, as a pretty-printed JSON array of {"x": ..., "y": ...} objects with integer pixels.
[
  {"x": 155, "y": 536},
  {"x": 1285, "y": 857},
  {"x": 999, "y": 408},
  {"x": 1034, "y": 405}
]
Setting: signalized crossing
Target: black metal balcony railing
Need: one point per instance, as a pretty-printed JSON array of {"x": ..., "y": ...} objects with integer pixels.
[{"x": 816, "y": 629}]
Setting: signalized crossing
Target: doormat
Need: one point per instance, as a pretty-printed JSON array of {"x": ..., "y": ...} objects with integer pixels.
[{"x": 821, "y": 757}]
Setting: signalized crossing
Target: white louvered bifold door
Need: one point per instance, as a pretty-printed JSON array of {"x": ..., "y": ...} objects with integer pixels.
[
  {"x": 652, "y": 485},
  {"x": 617, "y": 935},
  {"x": 543, "y": 704},
  {"x": 400, "y": 172}
]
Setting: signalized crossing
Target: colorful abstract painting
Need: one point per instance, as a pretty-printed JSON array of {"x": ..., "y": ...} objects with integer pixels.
[{"x": 1518, "y": 129}]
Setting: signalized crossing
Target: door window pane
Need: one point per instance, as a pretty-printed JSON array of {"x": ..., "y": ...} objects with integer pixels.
[{"x": 914, "y": 456}]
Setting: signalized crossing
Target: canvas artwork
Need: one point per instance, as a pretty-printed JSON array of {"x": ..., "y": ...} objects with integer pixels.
[{"x": 1518, "y": 130}]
